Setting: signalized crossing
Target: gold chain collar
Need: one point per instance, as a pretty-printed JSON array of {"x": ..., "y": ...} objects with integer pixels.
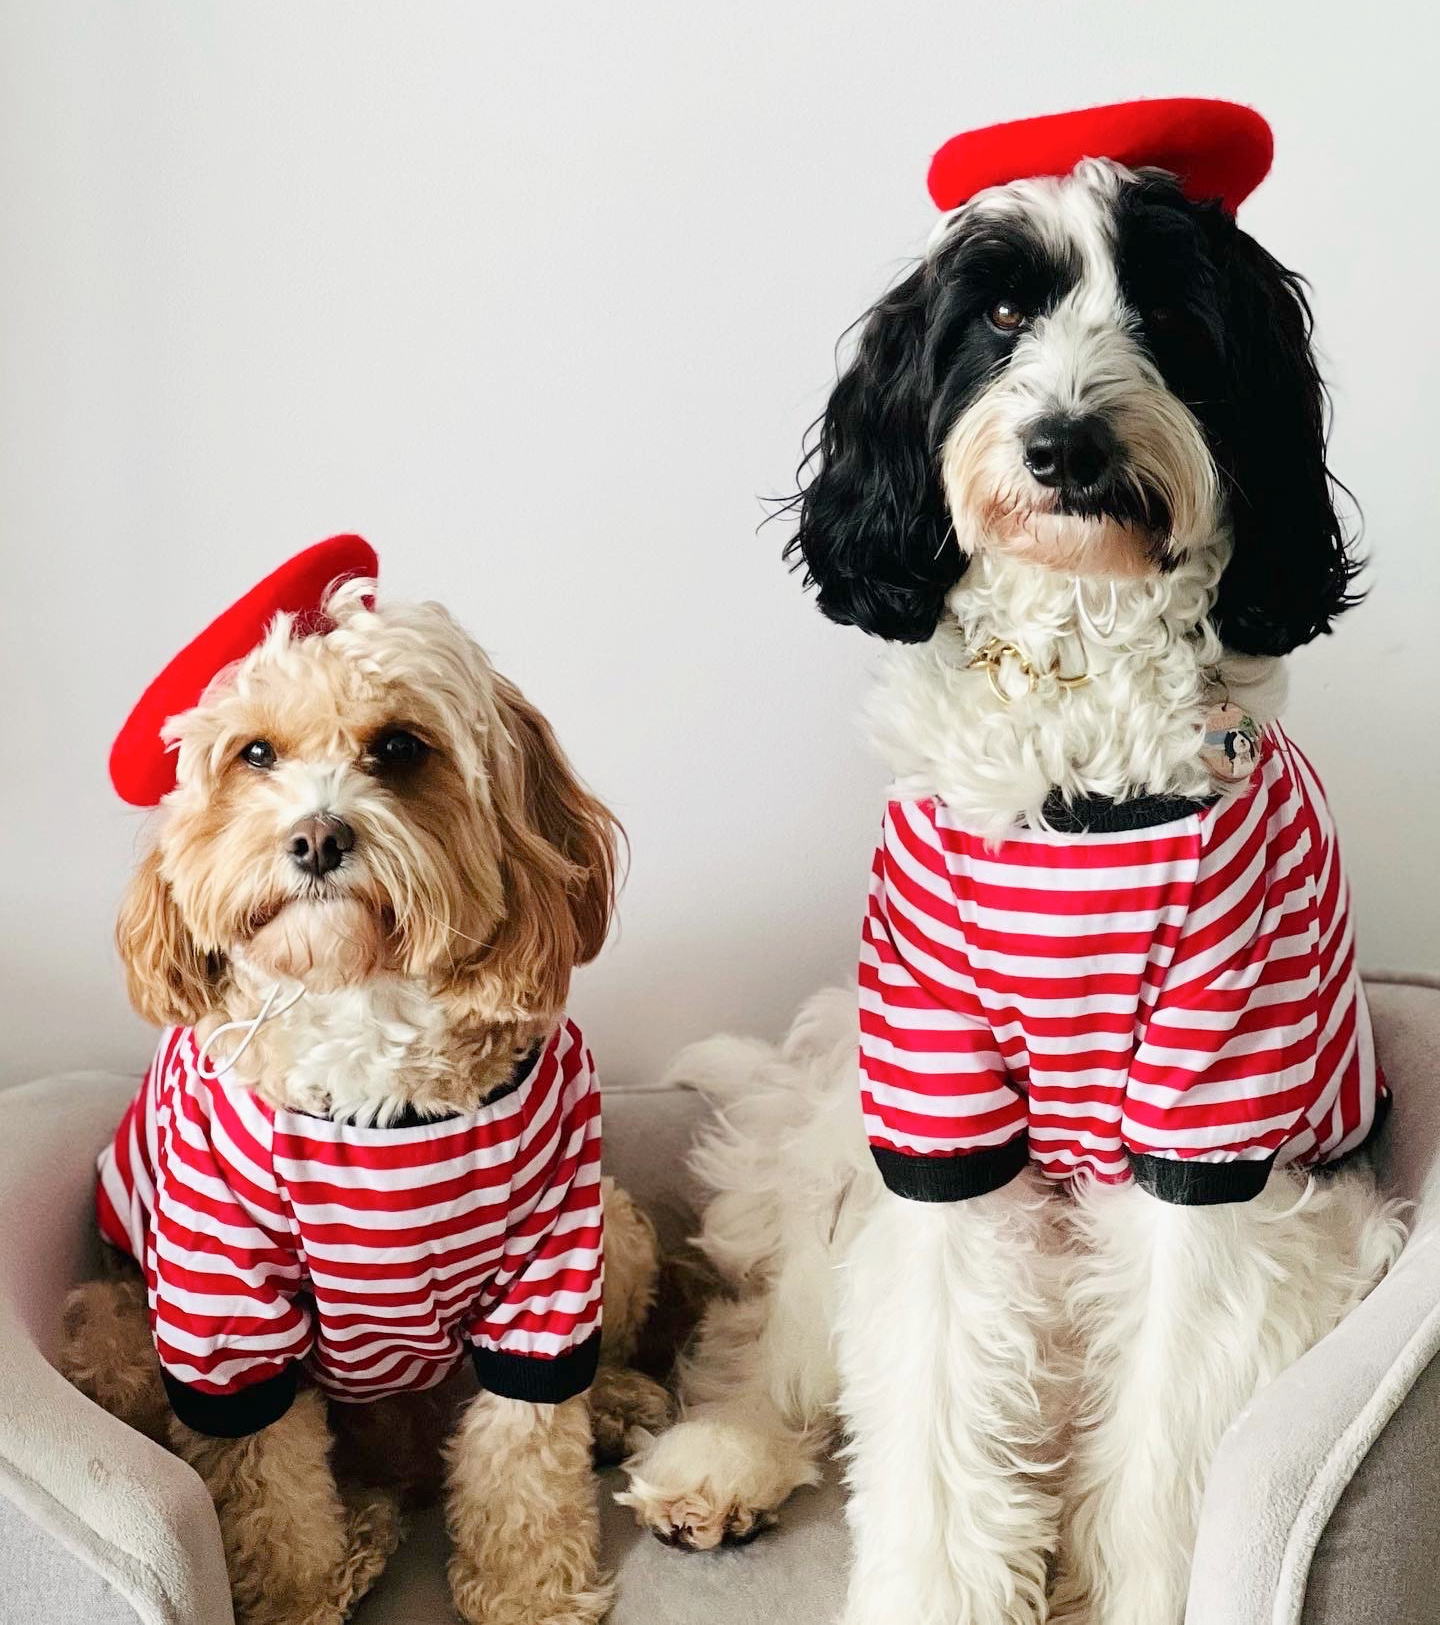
[{"x": 991, "y": 660}]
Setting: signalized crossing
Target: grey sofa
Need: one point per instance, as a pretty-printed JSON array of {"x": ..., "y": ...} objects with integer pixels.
[{"x": 1321, "y": 1508}]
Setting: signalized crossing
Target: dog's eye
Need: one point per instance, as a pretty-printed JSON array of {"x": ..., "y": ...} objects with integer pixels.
[
  {"x": 1160, "y": 318},
  {"x": 1007, "y": 317},
  {"x": 397, "y": 748},
  {"x": 259, "y": 753}
]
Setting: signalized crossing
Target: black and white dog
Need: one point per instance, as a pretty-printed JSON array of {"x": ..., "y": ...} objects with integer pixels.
[{"x": 1074, "y": 472}]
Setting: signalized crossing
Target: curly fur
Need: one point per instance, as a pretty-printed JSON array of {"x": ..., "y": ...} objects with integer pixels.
[
  {"x": 1026, "y": 1384},
  {"x": 479, "y": 873}
]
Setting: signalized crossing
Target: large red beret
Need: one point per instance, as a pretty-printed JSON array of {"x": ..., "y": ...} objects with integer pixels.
[
  {"x": 1216, "y": 149},
  {"x": 141, "y": 768}
]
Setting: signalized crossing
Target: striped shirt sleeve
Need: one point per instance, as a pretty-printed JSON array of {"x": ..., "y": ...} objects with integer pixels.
[
  {"x": 943, "y": 1122},
  {"x": 537, "y": 1336},
  {"x": 1227, "y": 1062},
  {"x": 223, "y": 1267}
]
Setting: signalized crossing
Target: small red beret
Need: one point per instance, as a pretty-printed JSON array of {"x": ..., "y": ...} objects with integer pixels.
[
  {"x": 141, "y": 768},
  {"x": 1216, "y": 149}
]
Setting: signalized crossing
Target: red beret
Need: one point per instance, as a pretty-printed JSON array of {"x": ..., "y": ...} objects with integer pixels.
[
  {"x": 1216, "y": 149},
  {"x": 141, "y": 768}
]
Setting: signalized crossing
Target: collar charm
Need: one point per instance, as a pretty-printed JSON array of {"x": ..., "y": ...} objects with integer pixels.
[
  {"x": 1231, "y": 747},
  {"x": 998, "y": 657}
]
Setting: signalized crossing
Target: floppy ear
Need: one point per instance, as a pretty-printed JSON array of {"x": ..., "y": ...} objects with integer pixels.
[
  {"x": 874, "y": 528},
  {"x": 1291, "y": 571},
  {"x": 558, "y": 870},
  {"x": 170, "y": 979}
]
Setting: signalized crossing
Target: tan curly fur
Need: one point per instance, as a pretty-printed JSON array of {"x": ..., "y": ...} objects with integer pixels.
[{"x": 479, "y": 881}]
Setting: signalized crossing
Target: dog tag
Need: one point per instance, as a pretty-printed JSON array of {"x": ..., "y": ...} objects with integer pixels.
[{"x": 1232, "y": 743}]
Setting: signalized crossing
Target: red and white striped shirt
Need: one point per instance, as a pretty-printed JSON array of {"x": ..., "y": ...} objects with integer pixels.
[
  {"x": 375, "y": 1256},
  {"x": 1178, "y": 1001}
]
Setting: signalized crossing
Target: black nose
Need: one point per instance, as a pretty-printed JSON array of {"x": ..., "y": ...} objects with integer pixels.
[
  {"x": 317, "y": 845},
  {"x": 1069, "y": 453}
]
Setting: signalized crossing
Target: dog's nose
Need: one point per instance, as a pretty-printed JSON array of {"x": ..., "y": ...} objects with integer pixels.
[
  {"x": 1069, "y": 453},
  {"x": 318, "y": 845}
]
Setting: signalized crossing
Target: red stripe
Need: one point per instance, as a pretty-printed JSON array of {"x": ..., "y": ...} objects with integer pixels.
[
  {"x": 243, "y": 1222},
  {"x": 1283, "y": 931}
]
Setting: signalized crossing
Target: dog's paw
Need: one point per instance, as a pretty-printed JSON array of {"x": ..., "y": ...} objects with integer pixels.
[
  {"x": 626, "y": 1409},
  {"x": 695, "y": 1523},
  {"x": 713, "y": 1481}
]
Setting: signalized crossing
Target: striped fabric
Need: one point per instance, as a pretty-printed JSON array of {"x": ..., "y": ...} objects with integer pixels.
[
  {"x": 1180, "y": 1001},
  {"x": 374, "y": 1255}
]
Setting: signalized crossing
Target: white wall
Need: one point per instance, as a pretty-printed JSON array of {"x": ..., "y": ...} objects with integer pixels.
[{"x": 540, "y": 306}]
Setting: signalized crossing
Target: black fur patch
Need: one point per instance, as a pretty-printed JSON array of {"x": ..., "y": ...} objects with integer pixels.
[
  {"x": 1229, "y": 329},
  {"x": 874, "y": 530}
]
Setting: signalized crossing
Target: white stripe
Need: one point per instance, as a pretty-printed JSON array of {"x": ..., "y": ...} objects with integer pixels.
[
  {"x": 930, "y": 1018},
  {"x": 946, "y": 1106},
  {"x": 1040, "y": 1134},
  {"x": 1236, "y": 1047},
  {"x": 880, "y": 1130},
  {"x": 1221, "y": 1135},
  {"x": 1101, "y": 879},
  {"x": 572, "y": 1304},
  {"x": 280, "y": 1341},
  {"x": 547, "y": 1344},
  {"x": 468, "y": 1161},
  {"x": 1012, "y": 922}
]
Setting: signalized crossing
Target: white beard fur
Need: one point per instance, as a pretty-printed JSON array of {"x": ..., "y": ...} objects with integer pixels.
[{"x": 1134, "y": 728}]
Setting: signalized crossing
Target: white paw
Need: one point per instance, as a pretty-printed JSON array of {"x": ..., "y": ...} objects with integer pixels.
[{"x": 713, "y": 1481}]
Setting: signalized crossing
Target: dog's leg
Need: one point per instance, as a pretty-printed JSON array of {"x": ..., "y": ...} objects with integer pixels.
[
  {"x": 626, "y": 1406},
  {"x": 373, "y": 1529},
  {"x": 281, "y": 1529},
  {"x": 627, "y": 1409},
  {"x": 522, "y": 1515},
  {"x": 1183, "y": 1313},
  {"x": 108, "y": 1353},
  {"x": 632, "y": 1267},
  {"x": 756, "y": 1399},
  {"x": 283, "y": 1522},
  {"x": 788, "y": 1163},
  {"x": 946, "y": 1367}
]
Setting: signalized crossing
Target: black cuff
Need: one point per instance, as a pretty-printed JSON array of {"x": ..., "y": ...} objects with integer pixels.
[
  {"x": 532, "y": 1377},
  {"x": 232, "y": 1416},
  {"x": 1189, "y": 1183},
  {"x": 952, "y": 1178}
]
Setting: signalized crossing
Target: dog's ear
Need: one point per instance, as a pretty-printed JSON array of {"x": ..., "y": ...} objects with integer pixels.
[
  {"x": 558, "y": 866},
  {"x": 874, "y": 530},
  {"x": 171, "y": 980},
  {"x": 1292, "y": 568}
]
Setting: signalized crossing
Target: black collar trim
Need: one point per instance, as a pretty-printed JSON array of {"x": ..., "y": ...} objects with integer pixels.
[{"x": 1100, "y": 815}]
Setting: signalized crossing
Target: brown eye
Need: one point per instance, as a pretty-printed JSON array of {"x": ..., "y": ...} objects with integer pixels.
[
  {"x": 259, "y": 753},
  {"x": 1007, "y": 317},
  {"x": 397, "y": 748}
]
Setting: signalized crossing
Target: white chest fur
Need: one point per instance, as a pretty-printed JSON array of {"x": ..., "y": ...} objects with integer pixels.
[
  {"x": 360, "y": 1054},
  {"x": 1135, "y": 726}
]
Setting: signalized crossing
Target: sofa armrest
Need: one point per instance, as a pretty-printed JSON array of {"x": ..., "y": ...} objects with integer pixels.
[
  {"x": 131, "y": 1512},
  {"x": 1285, "y": 1464}
]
